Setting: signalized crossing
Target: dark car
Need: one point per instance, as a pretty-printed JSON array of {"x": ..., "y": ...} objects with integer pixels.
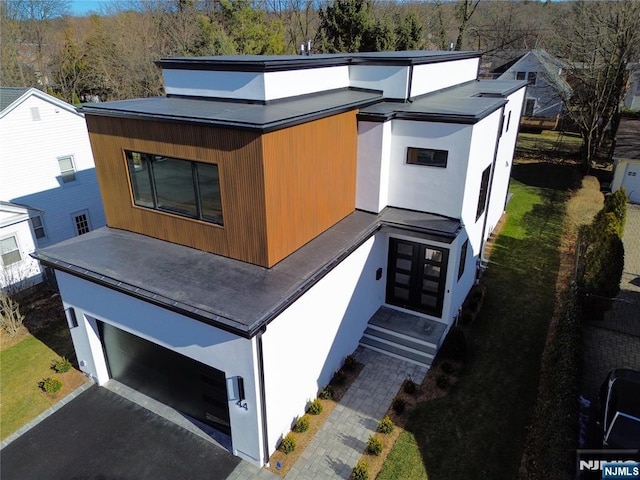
[{"x": 619, "y": 410}]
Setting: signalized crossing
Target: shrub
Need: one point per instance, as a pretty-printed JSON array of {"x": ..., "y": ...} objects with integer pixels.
[
  {"x": 288, "y": 444},
  {"x": 61, "y": 365},
  {"x": 315, "y": 407},
  {"x": 339, "y": 378},
  {"x": 448, "y": 368},
  {"x": 326, "y": 393},
  {"x": 616, "y": 203},
  {"x": 51, "y": 385},
  {"x": 385, "y": 425},
  {"x": 11, "y": 320},
  {"x": 409, "y": 386},
  {"x": 398, "y": 405},
  {"x": 454, "y": 346},
  {"x": 349, "y": 363},
  {"x": 359, "y": 472},
  {"x": 374, "y": 446},
  {"x": 302, "y": 424},
  {"x": 442, "y": 381},
  {"x": 467, "y": 316}
]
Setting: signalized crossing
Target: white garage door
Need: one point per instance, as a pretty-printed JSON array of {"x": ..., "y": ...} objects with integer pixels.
[{"x": 631, "y": 182}]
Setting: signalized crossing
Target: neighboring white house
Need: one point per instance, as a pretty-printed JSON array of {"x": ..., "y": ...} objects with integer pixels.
[
  {"x": 17, "y": 268},
  {"x": 546, "y": 76},
  {"x": 271, "y": 213},
  {"x": 626, "y": 159},
  {"x": 47, "y": 165}
]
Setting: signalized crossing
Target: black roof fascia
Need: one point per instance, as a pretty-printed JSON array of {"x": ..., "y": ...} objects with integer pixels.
[
  {"x": 262, "y": 128},
  {"x": 300, "y": 62},
  {"x": 225, "y": 323},
  {"x": 427, "y": 117}
]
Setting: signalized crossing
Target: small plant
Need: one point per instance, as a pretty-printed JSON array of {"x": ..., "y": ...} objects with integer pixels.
[
  {"x": 51, "y": 385},
  {"x": 374, "y": 446},
  {"x": 315, "y": 407},
  {"x": 61, "y": 365},
  {"x": 385, "y": 425},
  {"x": 349, "y": 364},
  {"x": 359, "y": 472},
  {"x": 442, "y": 381},
  {"x": 398, "y": 405},
  {"x": 288, "y": 444},
  {"x": 448, "y": 368},
  {"x": 339, "y": 378},
  {"x": 454, "y": 346},
  {"x": 326, "y": 393},
  {"x": 409, "y": 386},
  {"x": 302, "y": 425}
]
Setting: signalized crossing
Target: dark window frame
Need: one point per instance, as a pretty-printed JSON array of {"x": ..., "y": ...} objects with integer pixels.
[
  {"x": 484, "y": 192},
  {"x": 149, "y": 160},
  {"x": 463, "y": 258},
  {"x": 434, "y": 157},
  {"x": 38, "y": 230},
  {"x": 81, "y": 222},
  {"x": 529, "y": 112}
]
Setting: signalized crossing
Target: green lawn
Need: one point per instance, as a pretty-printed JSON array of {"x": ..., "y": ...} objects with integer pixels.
[
  {"x": 550, "y": 142},
  {"x": 25, "y": 364},
  {"x": 478, "y": 429}
]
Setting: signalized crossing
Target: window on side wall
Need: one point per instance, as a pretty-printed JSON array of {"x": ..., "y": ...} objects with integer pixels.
[
  {"x": 529, "y": 107},
  {"x": 427, "y": 157},
  {"x": 532, "y": 77},
  {"x": 521, "y": 75},
  {"x": 67, "y": 169},
  {"x": 81, "y": 222},
  {"x": 38, "y": 226},
  {"x": 463, "y": 258},
  {"x": 484, "y": 190},
  {"x": 181, "y": 187},
  {"x": 9, "y": 251}
]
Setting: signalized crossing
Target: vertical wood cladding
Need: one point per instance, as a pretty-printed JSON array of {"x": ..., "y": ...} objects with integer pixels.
[
  {"x": 239, "y": 158},
  {"x": 279, "y": 190},
  {"x": 310, "y": 180}
]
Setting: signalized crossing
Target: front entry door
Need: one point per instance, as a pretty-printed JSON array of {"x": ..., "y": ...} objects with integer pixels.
[{"x": 416, "y": 276}]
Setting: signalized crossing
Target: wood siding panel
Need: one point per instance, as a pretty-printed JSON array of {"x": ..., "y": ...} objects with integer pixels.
[
  {"x": 238, "y": 156},
  {"x": 310, "y": 180}
]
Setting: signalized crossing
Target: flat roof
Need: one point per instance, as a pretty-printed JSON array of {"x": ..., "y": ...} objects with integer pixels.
[
  {"x": 467, "y": 103},
  {"x": 232, "y": 114},
  {"x": 236, "y": 296},
  {"x": 273, "y": 63}
]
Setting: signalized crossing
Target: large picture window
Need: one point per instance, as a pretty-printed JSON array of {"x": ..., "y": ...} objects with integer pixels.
[{"x": 186, "y": 188}]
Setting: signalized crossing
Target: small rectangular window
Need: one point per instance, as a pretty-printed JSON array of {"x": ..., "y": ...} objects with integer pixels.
[
  {"x": 67, "y": 169},
  {"x": 484, "y": 190},
  {"x": 508, "y": 121},
  {"x": 427, "y": 157},
  {"x": 529, "y": 106},
  {"x": 9, "y": 251},
  {"x": 532, "y": 77},
  {"x": 38, "y": 226},
  {"x": 81, "y": 222},
  {"x": 520, "y": 75},
  {"x": 463, "y": 258},
  {"x": 35, "y": 114}
]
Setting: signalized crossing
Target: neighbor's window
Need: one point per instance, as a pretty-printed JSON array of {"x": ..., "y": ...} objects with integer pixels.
[
  {"x": 67, "y": 169},
  {"x": 427, "y": 157},
  {"x": 9, "y": 251},
  {"x": 484, "y": 188},
  {"x": 38, "y": 226},
  {"x": 81, "y": 222},
  {"x": 463, "y": 258},
  {"x": 521, "y": 75},
  {"x": 185, "y": 188},
  {"x": 532, "y": 77},
  {"x": 529, "y": 106}
]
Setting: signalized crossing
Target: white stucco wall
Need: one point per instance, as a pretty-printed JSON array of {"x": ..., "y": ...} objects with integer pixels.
[
  {"x": 372, "y": 174},
  {"x": 309, "y": 340},
  {"x": 261, "y": 86},
  {"x": 392, "y": 80},
  {"x": 29, "y": 152},
  {"x": 435, "y": 76},
  {"x": 224, "y": 351},
  {"x": 428, "y": 189}
]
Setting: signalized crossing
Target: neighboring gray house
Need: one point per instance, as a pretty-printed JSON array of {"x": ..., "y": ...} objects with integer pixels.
[
  {"x": 626, "y": 159},
  {"x": 632, "y": 98},
  {"x": 543, "y": 103}
]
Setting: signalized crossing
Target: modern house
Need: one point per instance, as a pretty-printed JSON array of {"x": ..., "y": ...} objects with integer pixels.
[
  {"x": 47, "y": 172},
  {"x": 545, "y": 74},
  {"x": 626, "y": 159},
  {"x": 270, "y": 214}
]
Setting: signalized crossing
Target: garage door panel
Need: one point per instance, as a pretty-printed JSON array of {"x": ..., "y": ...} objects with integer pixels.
[{"x": 195, "y": 389}]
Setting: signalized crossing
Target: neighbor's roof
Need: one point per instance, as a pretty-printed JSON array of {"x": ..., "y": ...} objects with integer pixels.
[
  {"x": 236, "y": 296},
  {"x": 551, "y": 67},
  {"x": 8, "y": 95},
  {"x": 628, "y": 139},
  {"x": 11, "y": 97}
]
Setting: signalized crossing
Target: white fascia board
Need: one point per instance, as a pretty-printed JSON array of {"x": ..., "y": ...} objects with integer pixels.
[
  {"x": 45, "y": 97},
  {"x": 436, "y": 76},
  {"x": 215, "y": 84},
  {"x": 292, "y": 83},
  {"x": 393, "y": 81}
]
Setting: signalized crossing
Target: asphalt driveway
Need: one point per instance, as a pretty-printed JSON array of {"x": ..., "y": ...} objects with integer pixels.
[{"x": 101, "y": 435}]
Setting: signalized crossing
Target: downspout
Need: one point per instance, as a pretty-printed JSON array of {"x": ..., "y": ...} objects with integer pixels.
[
  {"x": 263, "y": 396},
  {"x": 410, "y": 83},
  {"x": 484, "y": 261}
]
